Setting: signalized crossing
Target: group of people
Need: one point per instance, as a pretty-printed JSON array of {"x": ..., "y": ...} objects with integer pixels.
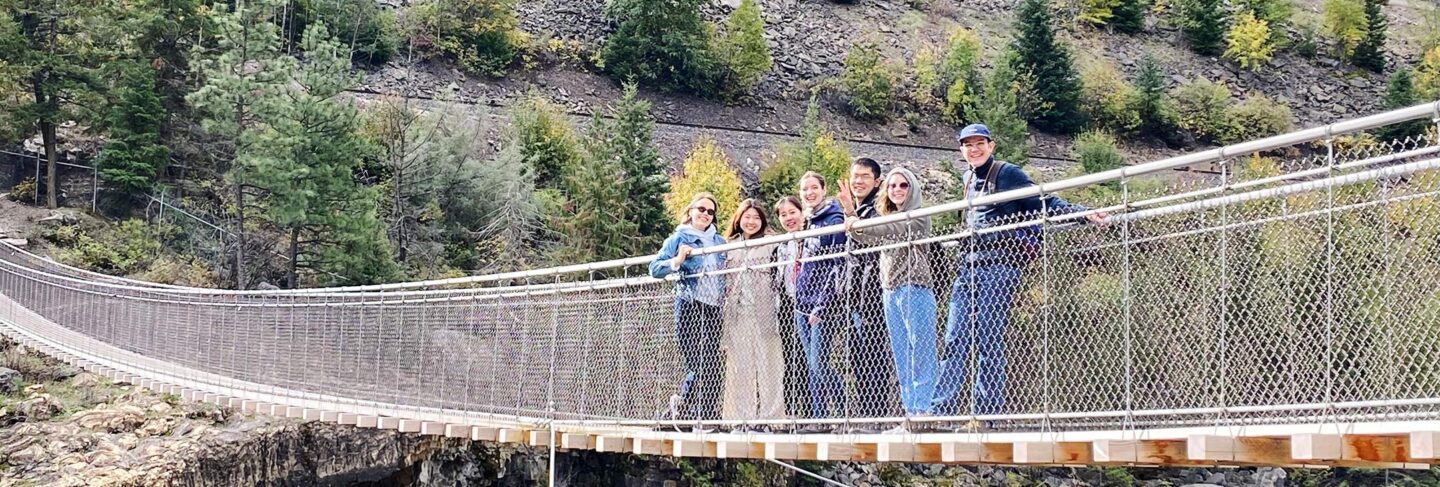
[{"x": 756, "y": 343}]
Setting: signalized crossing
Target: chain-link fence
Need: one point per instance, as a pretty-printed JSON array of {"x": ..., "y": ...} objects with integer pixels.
[
  {"x": 1299, "y": 284},
  {"x": 78, "y": 186}
]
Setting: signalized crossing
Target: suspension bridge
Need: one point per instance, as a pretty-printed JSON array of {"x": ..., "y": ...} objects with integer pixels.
[{"x": 1283, "y": 312}]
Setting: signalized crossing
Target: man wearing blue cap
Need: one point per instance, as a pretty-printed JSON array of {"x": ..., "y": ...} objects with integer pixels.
[{"x": 988, "y": 275}]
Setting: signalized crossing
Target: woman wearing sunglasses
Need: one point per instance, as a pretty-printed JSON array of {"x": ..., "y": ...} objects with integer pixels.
[
  {"x": 909, "y": 294},
  {"x": 697, "y": 308}
]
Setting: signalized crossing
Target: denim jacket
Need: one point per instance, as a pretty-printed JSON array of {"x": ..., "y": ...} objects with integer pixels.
[{"x": 707, "y": 289}]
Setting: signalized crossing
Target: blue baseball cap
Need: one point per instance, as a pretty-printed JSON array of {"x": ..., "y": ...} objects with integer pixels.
[{"x": 973, "y": 130}]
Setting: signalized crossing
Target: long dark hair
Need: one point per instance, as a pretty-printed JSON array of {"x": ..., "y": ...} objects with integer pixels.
[{"x": 747, "y": 205}]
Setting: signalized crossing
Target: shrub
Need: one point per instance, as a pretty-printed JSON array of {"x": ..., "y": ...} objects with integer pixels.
[
  {"x": 1130, "y": 16},
  {"x": 1157, "y": 114},
  {"x": 24, "y": 191},
  {"x": 662, "y": 43},
  {"x": 1200, "y": 108},
  {"x": 1427, "y": 75},
  {"x": 706, "y": 169},
  {"x": 481, "y": 36},
  {"x": 1307, "y": 42},
  {"x": 1107, "y": 98},
  {"x": 1275, "y": 13},
  {"x": 959, "y": 79},
  {"x": 868, "y": 80},
  {"x": 816, "y": 150},
  {"x": 1097, "y": 152},
  {"x": 742, "y": 48},
  {"x": 123, "y": 249},
  {"x": 1257, "y": 116},
  {"x": 1097, "y": 12},
  {"x": 1203, "y": 22},
  {"x": 1370, "y": 53},
  {"x": 545, "y": 139},
  {"x": 1248, "y": 42},
  {"x": 925, "y": 74},
  {"x": 1344, "y": 23},
  {"x": 1400, "y": 94},
  {"x": 998, "y": 107}
]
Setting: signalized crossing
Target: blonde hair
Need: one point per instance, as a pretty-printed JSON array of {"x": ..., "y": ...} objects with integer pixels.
[
  {"x": 886, "y": 206},
  {"x": 703, "y": 195}
]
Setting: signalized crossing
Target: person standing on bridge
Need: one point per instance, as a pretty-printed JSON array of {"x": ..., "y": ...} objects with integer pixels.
[
  {"x": 697, "y": 308},
  {"x": 909, "y": 294},
  {"x": 797, "y": 379},
  {"x": 754, "y": 359},
  {"x": 818, "y": 315},
  {"x": 988, "y": 275},
  {"x": 870, "y": 354}
]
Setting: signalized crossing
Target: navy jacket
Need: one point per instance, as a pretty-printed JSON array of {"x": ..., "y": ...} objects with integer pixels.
[
  {"x": 993, "y": 246},
  {"x": 817, "y": 281}
]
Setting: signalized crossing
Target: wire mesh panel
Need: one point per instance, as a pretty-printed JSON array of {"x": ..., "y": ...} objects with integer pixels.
[{"x": 1285, "y": 283}]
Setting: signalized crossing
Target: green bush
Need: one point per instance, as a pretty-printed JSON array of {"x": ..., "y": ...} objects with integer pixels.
[
  {"x": 1275, "y": 13},
  {"x": 123, "y": 249},
  {"x": 545, "y": 138},
  {"x": 816, "y": 150},
  {"x": 1427, "y": 75},
  {"x": 1097, "y": 12},
  {"x": 368, "y": 30},
  {"x": 925, "y": 75},
  {"x": 868, "y": 80},
  {"x": 1200, "y": 108},
  {"x": 1108, "y": 98},
  {"x": 1097, "y": 152},
  {"x": 1258, "y": 116},
  {"x": 24, "y": 192},
  {"x": 742, "y": 46},
  {"x": 1248, "y": 42},
  {"x": 1344, "y": 23},
  {"x": 1307, "y": 41},
  {"x": 1130, "y": 16},
  {"x": 482, "y": 36},
  {"x": 662, "y": 43},
  {"x": 1203, "y": 22},
  {"x": 959, "y": 81}
]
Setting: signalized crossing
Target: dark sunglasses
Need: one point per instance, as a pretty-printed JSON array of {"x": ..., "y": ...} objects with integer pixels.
[
  {"x": 901, "y": 185},
  {"x": 708, "y": 211}
]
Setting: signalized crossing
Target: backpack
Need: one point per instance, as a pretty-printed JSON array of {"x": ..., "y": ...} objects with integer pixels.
[{"x": 1029, "y": 241}]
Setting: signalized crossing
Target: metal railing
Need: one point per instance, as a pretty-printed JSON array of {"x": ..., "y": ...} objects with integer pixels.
[{"x": 1298, "y": 287}]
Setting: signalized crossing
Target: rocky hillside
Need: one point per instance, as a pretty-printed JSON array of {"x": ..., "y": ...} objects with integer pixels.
[{"x": 809, "y": 39}]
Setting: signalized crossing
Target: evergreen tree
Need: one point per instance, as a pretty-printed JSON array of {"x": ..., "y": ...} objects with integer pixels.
[
  {"x": 597, "y": 224},
  {"x": 630, "y": 140},
  {"x": 545, "y": 139},
  {"x": 999, "y": 109},
  {"x": 1248, "y": 42},
  {"x": 1401, "y": 94},
  {"x": 366, "y": 28},
  {"x": 1204, "y": 25},
  {"x": 868, "y": 81},
  {"x": 742, "y": 47},
  {"x": 1275, "y": 13},
  {"x": 1130, "y": 16},
  {"x": 242, "y": 79},
  {"x": 1050, "y": 67},
  {"x": 1344, "y": 22},
  {"x": 133, "y": 154},
  {"x": 53, "y": 52},
  {"x": 1370, "y": 53},
  {"x": 1155, "y": 112},
  {"x": 166, "y": 32},
  {"x": 481, "y": 35},
  {"x": 305, "y": 159},
  {"x": 662, "y": 43}
]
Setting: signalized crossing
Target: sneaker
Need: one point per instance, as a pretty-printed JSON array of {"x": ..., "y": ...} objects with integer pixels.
[{"x": 674, "y": 407}]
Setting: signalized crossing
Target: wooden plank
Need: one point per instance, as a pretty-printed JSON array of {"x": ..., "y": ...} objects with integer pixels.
[
  {"x": 1425, "y": 445},
  {"x": 782, "y": 451},
  {"x": 1312, "y": 446},
  {"x": 1115, "y": 451},
  {"x": 330, "y": 416},
  {"x": 612, "y": 444},
  {"x": 1210, "y": 448},
  {"x": 310, "y": 415},
  {"x": 907, "y": 452},
  {"x": 432, "y": 428},
  {"x": 294, "y": 412},
  {"x": 1074, "y": 453},
  {"x": 1263, "y": 451},
  {"x": 540, "y": 438},
  {"x": 275, "y": 410},
  {"x": 365, "y": 421},
  {"x": 693, "y": 448},
  {"x": 235, "y": 403},
  {"x": 955, "y": 452},
  {"x": 388, "y": 423},
  {"x": 1162, "y": 452},
  {"x": 348, "y": 418},
  {"x": 834, "y": 451},
  {"x": 739, "y": 449},
  {"x": 1033, "y": 452},
  {"x": 511, "y": 435},
  {"x": 651, "y": 446},
  {"x": 577, "y": 441},
  {"x": 484, "y": 433},
  {"x": 457, "y": 430},
  {"x": 210, "y": 398},
  {"x": 998, "y": 453},
  {"x": 408, "y": 426},
  {"x": 1388, "y": 449}
]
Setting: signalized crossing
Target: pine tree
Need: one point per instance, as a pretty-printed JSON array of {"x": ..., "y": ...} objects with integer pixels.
[
  {"x": 1130, "y": 16},
  {"x": 662, "y": 43},
  {"x": 868, "y": 80},
  {"x": 1370, "y": 53},
  {"x": 133, "y": 153},
  {"x": 1051, "y": 69},
  {"x": 1275, "y": 13},
  {"x": 165, "y": 35},
  {"x": 999, "y": 109},
  {"x": 1150, "y": 103},
  {"x": 597, "y": 225},
  {"x": 242, "y": 80},
  {"x": 545, "y": 139},
  {"x": 630, "y": 139},
  {"x": 53, "y": 52},
  {"x": 1204, "y": 25},
  {"x": 742, "y": 47},
  {"x": 305, "y": 158},
  {"x": 1248, "y": 42},
  {"x": 1401, "y": 94}
]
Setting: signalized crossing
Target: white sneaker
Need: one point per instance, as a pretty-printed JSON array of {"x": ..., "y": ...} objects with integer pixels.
[{"x": 674, "y": 407}]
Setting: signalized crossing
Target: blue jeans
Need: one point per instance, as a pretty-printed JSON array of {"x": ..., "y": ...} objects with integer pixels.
[
  {"x": 825, "y": 387},
  {"x": 910, "y": 317},
  {"x": 975, "y": 334}
]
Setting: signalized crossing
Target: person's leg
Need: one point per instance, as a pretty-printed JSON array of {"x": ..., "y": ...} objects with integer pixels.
[
  {"x": 797, "y": 379},
  {"x": 809, "y": 340},
  {"x": 996, "y": 287},
  {"x": 688, "y": 342},
  {"x": 920, "y": 319},
  {"x": 769, "y": 369},
  {"x": 899, "y": 345},
  {"x": 832, "y": 392},
  {"x": 955, "y": 366}
]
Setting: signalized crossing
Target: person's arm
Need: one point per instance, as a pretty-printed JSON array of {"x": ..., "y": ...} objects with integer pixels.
[
  {"x": 1051, "y": 204},
  {"x": 884, "y": 232},
  {"x": 662, "y": 265}
]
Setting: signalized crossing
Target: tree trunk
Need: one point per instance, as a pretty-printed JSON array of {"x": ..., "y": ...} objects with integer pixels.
[
  {"x": 47, "y": 135},
  {"x": 294, "y": 257},
  {"x": 240, "y": 236}
]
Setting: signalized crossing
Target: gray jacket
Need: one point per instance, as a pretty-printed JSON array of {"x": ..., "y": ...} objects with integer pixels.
[{"x": 903, "y": 266}]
